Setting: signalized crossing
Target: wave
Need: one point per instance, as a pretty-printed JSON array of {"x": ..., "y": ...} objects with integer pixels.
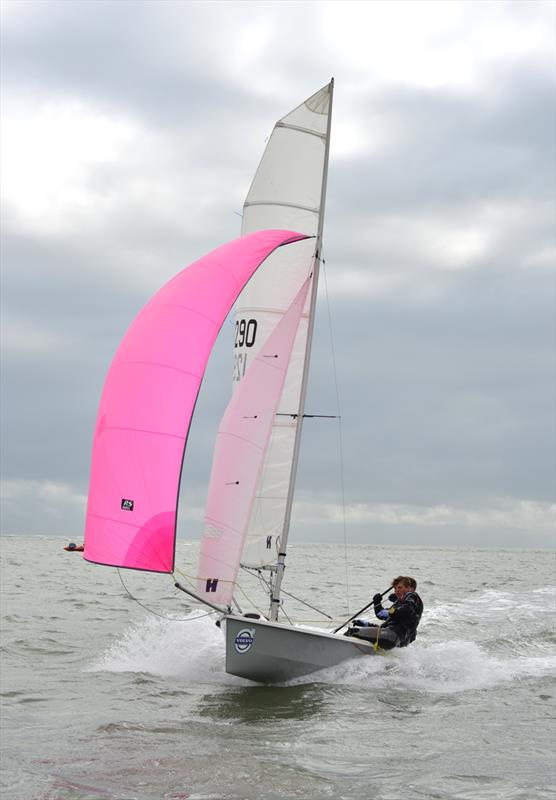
[
  {"x": 501, "y": 618},
  {"x": 443, "y": 668},
  {"x": 193, "y": 650}
]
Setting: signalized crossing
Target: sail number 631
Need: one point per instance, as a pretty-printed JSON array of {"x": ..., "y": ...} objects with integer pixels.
[{"x": 246, "y": 332}]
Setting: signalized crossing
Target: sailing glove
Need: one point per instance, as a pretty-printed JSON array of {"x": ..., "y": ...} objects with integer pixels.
[{"x": 377, "y": 599}]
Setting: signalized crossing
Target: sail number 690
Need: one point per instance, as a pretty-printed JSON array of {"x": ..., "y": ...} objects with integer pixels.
[{"x": 246, "y": 332}]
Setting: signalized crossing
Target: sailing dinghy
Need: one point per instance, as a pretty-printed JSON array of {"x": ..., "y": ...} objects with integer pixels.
[{"x": 150, "y": 392}]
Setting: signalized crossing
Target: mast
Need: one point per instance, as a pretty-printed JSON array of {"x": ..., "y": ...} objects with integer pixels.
[{"x": 281, "y": 565}]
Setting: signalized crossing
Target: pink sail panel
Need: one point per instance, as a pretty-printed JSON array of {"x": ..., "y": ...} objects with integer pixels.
[
  {"x": 239, "y": 455},
  {"x": 148, "y": 400}
]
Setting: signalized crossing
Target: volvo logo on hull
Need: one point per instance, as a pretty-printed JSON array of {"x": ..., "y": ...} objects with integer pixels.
[{"x": 244, "y": 640}]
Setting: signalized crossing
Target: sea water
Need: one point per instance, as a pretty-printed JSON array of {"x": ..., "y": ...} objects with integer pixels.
[{"x": 105, "y": 699}]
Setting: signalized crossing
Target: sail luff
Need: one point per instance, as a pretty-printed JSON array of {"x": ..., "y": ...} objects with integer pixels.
[
  {"x": 275, "y": 597},
  {"x": 287, "y": 191}
]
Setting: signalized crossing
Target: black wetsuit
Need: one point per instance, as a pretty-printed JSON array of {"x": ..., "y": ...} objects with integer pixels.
[
  {"x": 404, "y": 617},
  {"x": 419, "y": 612}
]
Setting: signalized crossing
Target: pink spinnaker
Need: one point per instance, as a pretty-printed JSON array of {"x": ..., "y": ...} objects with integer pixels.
[
  {"x": 148, "y": 400},
  {"x": 239, "y": 455}
]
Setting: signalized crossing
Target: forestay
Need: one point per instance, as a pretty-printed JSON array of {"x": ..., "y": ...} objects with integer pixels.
[
  {"x": 288, "y": 190},
  {"x": 148, "y": 401}
]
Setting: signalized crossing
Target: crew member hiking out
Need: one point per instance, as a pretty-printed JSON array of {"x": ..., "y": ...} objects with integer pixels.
[
  {"x": 418, "y": 604},
  {"x": 399, "y": 621},
  {"x": 404, "y": 614}
]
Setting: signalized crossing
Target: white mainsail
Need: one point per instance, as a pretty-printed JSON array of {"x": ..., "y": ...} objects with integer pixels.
[{"x": 288, "y": 190}]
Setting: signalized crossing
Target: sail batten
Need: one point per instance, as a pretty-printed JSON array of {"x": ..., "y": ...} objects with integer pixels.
[
  {"x": 148, "y": 401},
  {"x": 311, "y": 209},
  {"x": 300, "y": 129}
]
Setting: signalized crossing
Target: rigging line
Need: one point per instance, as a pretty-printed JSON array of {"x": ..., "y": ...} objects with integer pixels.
[
  {"x": 284, "y": 613},
  {"x": 256, "y": 573},
  {"x": 266, "y": 584},
  {"x": 261, "y": 580},
  {"x": 249, "y": 600},
  {"x": 190, "y": 578},
  {"x": 156, "y": 614},
  {"x": 294, "y": 597},
  {"x": 340, "y": 437},
  {"x": 305, "y": 603}
]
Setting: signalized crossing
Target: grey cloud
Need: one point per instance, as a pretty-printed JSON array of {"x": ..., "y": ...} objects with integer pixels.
[
  {"x": 446, "y": 376},
  {"x": 158, "y": 61},
  {"x": 449, "y": 153},
  {"x": 438, "y": 398}
]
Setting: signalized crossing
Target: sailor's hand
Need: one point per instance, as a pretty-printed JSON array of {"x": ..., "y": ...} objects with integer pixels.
[
  {"x": 392, "y": 597},
  {"x": 377, "y": 599}
]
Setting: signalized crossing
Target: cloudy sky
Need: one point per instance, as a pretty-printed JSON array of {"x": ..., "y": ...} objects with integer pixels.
[{"x": 131, "y": 132}]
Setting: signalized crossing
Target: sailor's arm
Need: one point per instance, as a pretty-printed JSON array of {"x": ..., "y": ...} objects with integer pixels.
[{"x": 378, "y": 609}]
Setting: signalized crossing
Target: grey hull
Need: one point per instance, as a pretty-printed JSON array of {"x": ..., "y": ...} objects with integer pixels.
[{"x": 269, "y": 652}]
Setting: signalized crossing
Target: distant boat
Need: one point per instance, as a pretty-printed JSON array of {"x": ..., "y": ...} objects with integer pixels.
[
  {"x": 151, "y": 390},
  {"x": 74, "y": 548}
]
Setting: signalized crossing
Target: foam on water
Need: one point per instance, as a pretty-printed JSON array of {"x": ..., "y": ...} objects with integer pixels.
[
  {"x": 441, "y": 668},
  {"x": 194, "y": 651},
  {"x": 494, "y": 606},
  {"x": 190, "y": 648}
]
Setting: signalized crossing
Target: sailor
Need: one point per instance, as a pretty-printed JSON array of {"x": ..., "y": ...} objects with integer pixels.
[
  {"x": 404, "y": 614},
  {"x": 419, "y": 602}
]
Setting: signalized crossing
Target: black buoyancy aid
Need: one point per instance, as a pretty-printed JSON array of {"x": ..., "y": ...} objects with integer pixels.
[
  {"x": 405, "y": 616},
  {"x": 418, "y": 606}
]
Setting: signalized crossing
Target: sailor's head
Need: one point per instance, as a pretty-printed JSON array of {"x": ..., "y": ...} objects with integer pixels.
[
  {"x": 401, "y": 586},
  {"x": 72, "y": 546}
]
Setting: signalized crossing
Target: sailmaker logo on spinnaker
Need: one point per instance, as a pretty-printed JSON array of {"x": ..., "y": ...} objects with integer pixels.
[{"x": 244, "y": 640}]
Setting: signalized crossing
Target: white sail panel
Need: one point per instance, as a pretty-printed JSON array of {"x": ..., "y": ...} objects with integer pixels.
[
  {"x": 241, "y": 443},
  {"x": 286, "y": 191}
]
